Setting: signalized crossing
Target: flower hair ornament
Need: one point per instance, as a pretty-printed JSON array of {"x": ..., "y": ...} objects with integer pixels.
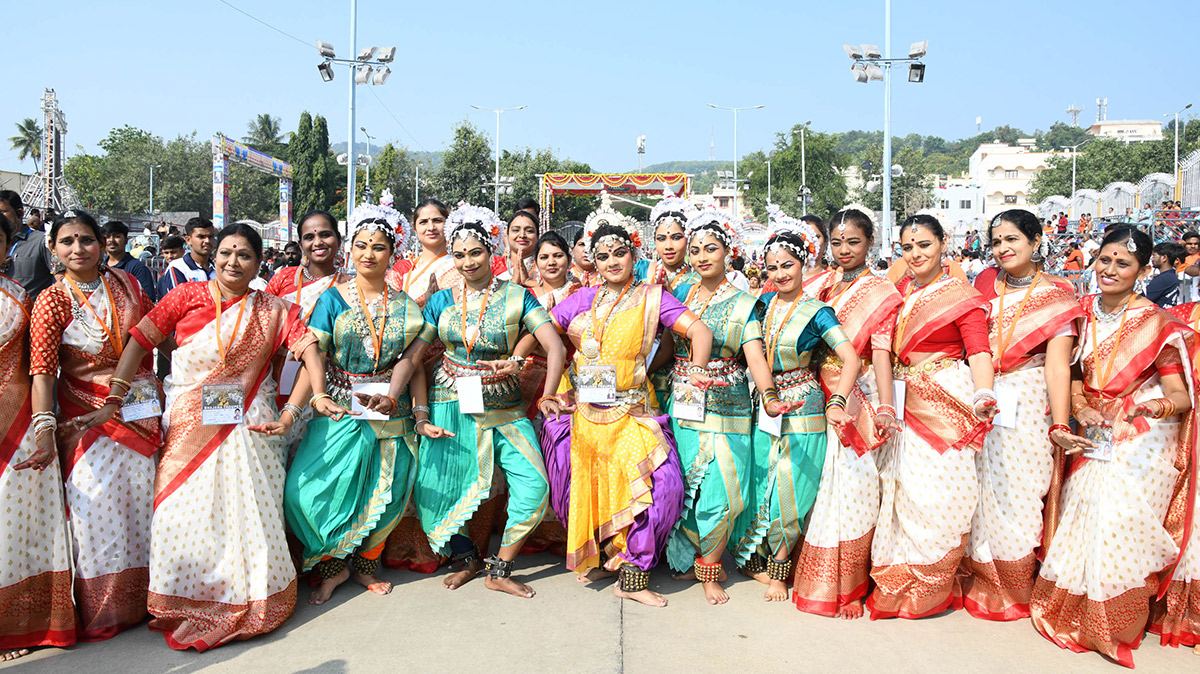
[
  {"x": 606, "y": 215},
  {"x": 784, "y": 233},
  {"x": 477, "y": 221},
  {"x": 672, "y": 208},
  {"x": 840, "y": 223},
  {"x": 715, "y": 222},
  {"x": 385, "y": 220}
]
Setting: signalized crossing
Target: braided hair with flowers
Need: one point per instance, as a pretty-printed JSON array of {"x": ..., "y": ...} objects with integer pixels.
[
  {"x": 606, "y": 226},
  {"x": 479, "y": 222},
  {"x": 715, "y": 222},
  {"x": 385, "y": 220}
]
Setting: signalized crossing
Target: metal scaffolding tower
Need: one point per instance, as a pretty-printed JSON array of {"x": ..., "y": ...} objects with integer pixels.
[{"x": 49, "y": 189}]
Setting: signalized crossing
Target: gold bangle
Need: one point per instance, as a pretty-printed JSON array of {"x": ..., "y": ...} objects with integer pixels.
[
  {"x": 312, "y": 402},
  {"x": 122, "y": 382}
]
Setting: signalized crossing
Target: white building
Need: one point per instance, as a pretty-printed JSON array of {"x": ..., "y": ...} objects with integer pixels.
[
  {"x": 1127, "y": 130},
  {"x": 958, "y": 205},
  {"x": 1003, "y": 174}
]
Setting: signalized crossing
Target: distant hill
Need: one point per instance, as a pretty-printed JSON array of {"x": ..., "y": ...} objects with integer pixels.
[
  {"x": 433, "y": 159},
  {"x": 696, "y": 168}
]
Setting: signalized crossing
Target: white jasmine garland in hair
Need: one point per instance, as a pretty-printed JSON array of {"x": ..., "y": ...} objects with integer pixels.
[
  {"x": 606, "y": 215},
  {"x": 711, "y": 220},
  {"x": 787, "y": 225},
  {"x": 489, "y": 227},
  {"x": 383, "y": 219},
  {"x": 672, "y": 208}
]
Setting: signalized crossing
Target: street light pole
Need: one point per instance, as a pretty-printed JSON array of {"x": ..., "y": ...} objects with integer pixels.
[
  {"x": 351, "y": 172},
  {"x": 768, "y": 181},
  {"x": 417, "y": 187},
  {"x": 1074, "y": 154},
  {"x": 496, "y": 202},
  {"x": 152, "y": 167},
  {"x": 887, "y": 127},
  {"x": 803, "y": 170},
  {"x": 367, "y": 188},
  {"x": 1175, "y": 170},
  {"x": 736, "y": 194}
]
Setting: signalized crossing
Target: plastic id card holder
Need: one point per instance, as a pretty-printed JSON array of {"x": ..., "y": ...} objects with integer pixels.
[
  {"x": 141, "y": 402},
  {"x": 1103, "y": 437},
  {"x": 899, "y": 390},
  {"x": 287, "y": 378},
  {"x": 222, "y": 404},
  {"x": 687, "y": 402},
  {"x": 597, "y": 384},
  {"x": 1007, "y": 401},
  {"x": 772, "y": 426},
  {"x": 374, "y": 388},
  {"x": 470, "y": 394}
]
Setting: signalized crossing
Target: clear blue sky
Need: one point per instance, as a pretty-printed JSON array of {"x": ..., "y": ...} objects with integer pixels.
[{"x": 594, "y": 79}]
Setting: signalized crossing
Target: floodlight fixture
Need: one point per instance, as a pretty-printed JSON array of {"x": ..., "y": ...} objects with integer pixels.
[
  {"x": 871, "y": 51},
  {"x": 381, "y": 75},
  {"x": 366, "y": 54},
  {"x": 362, "y": 74},
  {"x": 858, "y": 71},
  {"x": 918, "y": 49},
  {"x": 343, "y": 159},
  {"x": 852, "y": 51},
  {"x": 325, "y": 49},
  {"x": 326, "y": 71},
  {"x": 386, "y": 54},
  {"x": 874, "y": 72},
  {"x": 897, "y": 170},
  {"x": 916, "y": 72}
]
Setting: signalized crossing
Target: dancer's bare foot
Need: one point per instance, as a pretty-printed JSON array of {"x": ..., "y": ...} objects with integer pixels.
[
  {"x": 647, "y": 597},
  {"x": 760, "y": 576},
  {"x": 714, "y": 593},
  {"x": 594, "y": 574},
  {"x": 510, "y": 586},
  {"x": 460, "y": 578},
  {"x": 325, "y": 590},
  {"x": 776, "y": 591},
  {"x": 373, "y": 583},
  {"x": 851, "y": 611},
  {"x": 5, "y": 656}
]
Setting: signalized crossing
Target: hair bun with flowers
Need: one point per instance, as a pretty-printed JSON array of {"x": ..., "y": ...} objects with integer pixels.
[
  {"x": 383, "y": 219},
  {"x": 785, "y": 227},
  {"x": 606, "y": 215},
  {"x": 672, "y": 208},
  {"x": 468, "y": 220},
  {"x": 712, "y": 220}
]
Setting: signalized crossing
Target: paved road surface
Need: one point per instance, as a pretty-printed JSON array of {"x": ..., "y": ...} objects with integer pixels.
[{"x": 422, "y": 627}]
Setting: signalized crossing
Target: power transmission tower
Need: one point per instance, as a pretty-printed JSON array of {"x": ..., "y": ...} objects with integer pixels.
[{"x": 1101, "y": 109}]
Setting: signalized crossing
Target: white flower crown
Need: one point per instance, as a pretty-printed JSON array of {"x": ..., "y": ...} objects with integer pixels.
[{"x": 466, "y": 214}]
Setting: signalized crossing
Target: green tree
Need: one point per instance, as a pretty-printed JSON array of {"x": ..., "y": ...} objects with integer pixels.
[
  {"x": 118, "y": 181},
  {"x": 466, "y": 166},
  {"x": 825, "y": 182},
  {"x": 28, "y": 141},
  {"x": 1062, "y": 136},
  {"x": 308, "y": 152},
  {"x": 395, "y": 169},
  {"x": 1101, "y": 162},
  {"x": 911, "y": 191},
  {"x": 263, "y": 130}
]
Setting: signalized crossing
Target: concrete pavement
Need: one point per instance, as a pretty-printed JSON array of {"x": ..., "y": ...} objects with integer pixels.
[{"x": 422, "y": 627}]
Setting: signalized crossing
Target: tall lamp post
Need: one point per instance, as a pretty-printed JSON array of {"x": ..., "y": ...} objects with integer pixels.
[
  {"x": 736, "y": 196},
  {"x": 496, "y": 202},
  {"x": 1074, "y": 154},
  {"x": 370, "y": 59},
  {"x": 870, "y": 64},
  {"x": 367, "y": 188},
  {"x": 804, "y": 191},
  {"x": 1175, "y": 170},
  {"x": 152, "y": 167}
]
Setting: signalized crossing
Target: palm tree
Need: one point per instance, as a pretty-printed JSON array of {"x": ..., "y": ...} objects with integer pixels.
[
  {"x": 263, "y": 130},
  {"x": 28, "y": 141}
]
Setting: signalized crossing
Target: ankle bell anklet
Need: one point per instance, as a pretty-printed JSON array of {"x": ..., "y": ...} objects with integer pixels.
[
  {"x": 498, "y": 568},
  {"x": 707, "y": 573},
  {"x": 364, "y": 566},
  {"x": 632, "y": 579},
  {"x": 330, "y": 568},
  {"x": 464, "y": 559},
  {"x": 756, "y": 564},
  {"x": 780, "y": 571}
]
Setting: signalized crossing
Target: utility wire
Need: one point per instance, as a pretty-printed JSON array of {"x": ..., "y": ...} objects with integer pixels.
[
  {"x": 313, "y": 46},
  {"x": 277, "y": 30}
]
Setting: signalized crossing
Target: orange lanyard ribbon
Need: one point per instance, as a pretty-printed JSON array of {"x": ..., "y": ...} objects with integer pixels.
[
  {"x": 376, "y": 338},
  {"x": 216, "y": 297},
  {"x": 114, "y": 336},
  {"x": 1001, "y": 340},
  {"x": 469, "y": 342},
  {"x": 597, "y": 328}
]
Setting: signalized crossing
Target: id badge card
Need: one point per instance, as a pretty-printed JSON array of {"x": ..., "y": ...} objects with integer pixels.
[
  {"x": 597, "y": 384},
  {"x": 1103, "y": 437},
  {"x": 1007, "y": 401},
  {"x": 470, "y": 394},
  {"x": 141, "y": 402},
  {"x": 899, "y": 390},
  {"x": 374, "y": 388},
  {"x": 687, "y": 402},
  {"x": 287, "y": 378},
  {"x": 772, "y": 426},
  {"x": 222, "y": 404}
]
